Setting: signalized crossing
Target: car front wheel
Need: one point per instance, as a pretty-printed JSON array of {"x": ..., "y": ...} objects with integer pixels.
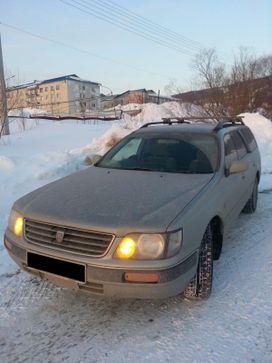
[{"x": 201, "y": 285}]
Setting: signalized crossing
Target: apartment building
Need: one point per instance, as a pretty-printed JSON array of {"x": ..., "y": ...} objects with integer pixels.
[{"x": 68, "y": 94}]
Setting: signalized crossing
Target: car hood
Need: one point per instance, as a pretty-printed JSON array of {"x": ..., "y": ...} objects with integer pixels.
[{"x": 114, "y": 201}]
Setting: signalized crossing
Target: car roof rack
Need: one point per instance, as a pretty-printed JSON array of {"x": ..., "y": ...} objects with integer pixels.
[
  {"x": 229, "y": 121},
  {"x": 168, "y": 121},
  {"x": 222, "y": 123}
]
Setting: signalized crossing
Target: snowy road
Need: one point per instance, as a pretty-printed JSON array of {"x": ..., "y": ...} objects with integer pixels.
[{"x": 42, "y": 323}]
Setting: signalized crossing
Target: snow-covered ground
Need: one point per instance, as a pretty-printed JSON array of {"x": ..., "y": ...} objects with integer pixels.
[{"x": 40, "y": 322}]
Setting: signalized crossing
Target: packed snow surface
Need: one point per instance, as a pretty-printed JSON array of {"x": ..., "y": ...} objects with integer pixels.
[{"x": 40, "y": 322}]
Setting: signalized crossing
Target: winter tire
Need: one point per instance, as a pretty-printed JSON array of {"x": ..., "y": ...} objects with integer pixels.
[{"x": 201, "y": 285}]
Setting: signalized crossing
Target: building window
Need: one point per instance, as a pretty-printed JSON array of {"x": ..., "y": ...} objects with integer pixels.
[
  {"x": 93, "y": 104},
  {"x": 52, "y": 88},
  {"x": 83, "y": 88},
  {"x": 57, "y": 95},
  {"x": 46, "y": 89},
  {"x": 41, "y": 90},
  {"x": 57, "y": 87}
]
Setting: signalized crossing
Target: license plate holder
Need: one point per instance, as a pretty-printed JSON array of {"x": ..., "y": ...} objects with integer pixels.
[{"x": 62, "y": 268}]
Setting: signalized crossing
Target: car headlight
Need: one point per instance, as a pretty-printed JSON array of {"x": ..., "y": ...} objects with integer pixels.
[
  {"x": 174, "y": 243},
  {"x": 16, "y": 223},
  {"x": 149, "y": 246}
]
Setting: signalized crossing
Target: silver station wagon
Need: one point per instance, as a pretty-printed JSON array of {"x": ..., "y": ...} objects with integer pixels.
[{"x": 148, "y": 219}]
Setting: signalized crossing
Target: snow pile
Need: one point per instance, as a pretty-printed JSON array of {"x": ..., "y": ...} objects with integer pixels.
[
  {"x": 262, "y": 130},
  {"x": 6, "y": 163},
  {"x": 150, "y": 112},
  {"x": 102, "y": 144}
]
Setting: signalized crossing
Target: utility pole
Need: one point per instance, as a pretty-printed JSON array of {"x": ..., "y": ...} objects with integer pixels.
[
  {"x": 4, "y": 125},
  {"x": 158, "y": 100}
]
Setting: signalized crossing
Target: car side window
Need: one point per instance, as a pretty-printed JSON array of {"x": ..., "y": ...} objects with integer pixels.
[
  {"x": 248, "y": 139},
  {"x": 239, "y": 144},
  {"x": 230, "y": 150}
]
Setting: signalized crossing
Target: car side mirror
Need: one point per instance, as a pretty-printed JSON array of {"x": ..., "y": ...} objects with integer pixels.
[{"x": 236, "y": 166}]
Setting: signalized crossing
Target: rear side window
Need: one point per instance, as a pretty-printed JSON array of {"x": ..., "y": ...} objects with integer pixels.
[
  {"x": 230, "y": 149},
  {"x": 248, "y": 139},
  {"x": 239, "y": 144}
]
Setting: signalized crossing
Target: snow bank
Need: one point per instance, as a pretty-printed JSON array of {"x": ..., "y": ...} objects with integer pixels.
[
  {"x": 262, "y": 130},
  {"x": 6, "y": 163},
  {"x": 152, "y": 112},
  {"x": 102, "y": 144}
]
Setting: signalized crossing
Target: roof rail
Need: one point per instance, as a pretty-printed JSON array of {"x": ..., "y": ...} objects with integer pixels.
[
  {"x": 229, "y": 121},
  {"x": 168, "y": 121},
  {"x": 224, "y": 122}
]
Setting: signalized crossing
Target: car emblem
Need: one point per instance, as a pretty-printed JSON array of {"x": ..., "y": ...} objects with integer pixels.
[{"x": 59, "y": 236}]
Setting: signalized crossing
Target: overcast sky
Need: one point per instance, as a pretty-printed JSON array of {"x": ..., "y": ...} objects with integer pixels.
[{"x": 133, "y": 61}]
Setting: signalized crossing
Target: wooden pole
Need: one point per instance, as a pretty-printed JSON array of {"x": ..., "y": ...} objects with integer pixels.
[{"x": 4, "y": 125}]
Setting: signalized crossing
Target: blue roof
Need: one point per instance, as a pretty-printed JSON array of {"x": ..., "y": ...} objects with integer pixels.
[{"x": 72, "y": 77}]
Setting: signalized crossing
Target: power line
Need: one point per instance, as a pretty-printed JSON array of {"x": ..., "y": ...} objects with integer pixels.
[
  {"x": 148, "y": 21},
  {"x": 111, "y": 20},
  {"x": 107, "y": 59},
  {"x": 108, "y": 11},
  {"x": 126, "y": 14}
]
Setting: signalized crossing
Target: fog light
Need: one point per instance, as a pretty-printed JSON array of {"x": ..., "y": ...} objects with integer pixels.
[
  {"x": 18, "y": 226},
  {"x": 126, "y": 248}
]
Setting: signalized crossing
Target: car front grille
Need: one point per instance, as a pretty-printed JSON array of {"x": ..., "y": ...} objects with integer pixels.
[{"x": 79, "y": 241}]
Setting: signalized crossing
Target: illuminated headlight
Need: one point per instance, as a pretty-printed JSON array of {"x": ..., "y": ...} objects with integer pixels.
[
  {"x": 16, "y": 223},
  {"x": 149, "y": 246}
]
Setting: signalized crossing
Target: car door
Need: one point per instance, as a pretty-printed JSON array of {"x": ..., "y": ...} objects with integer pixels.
[
  {"x": 233, "y": 184},
  {"x": 247, "y": 175}
]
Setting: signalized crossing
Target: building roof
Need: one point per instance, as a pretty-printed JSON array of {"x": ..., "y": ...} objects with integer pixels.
[{"x": 68, "y": 77}]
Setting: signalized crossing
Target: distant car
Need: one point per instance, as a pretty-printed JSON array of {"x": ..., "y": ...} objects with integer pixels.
[{"x": 148, "y": 219}]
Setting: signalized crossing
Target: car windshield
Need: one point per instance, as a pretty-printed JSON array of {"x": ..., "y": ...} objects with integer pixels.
[{"x": 189, "y": 153}]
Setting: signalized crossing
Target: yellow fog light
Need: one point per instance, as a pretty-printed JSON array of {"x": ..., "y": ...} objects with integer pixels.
[
  {"x": 18, "y": 226},
  {"x": 126, "y": 248}
]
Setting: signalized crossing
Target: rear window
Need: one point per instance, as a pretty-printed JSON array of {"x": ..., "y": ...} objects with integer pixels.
[{"x": 248, "y": 139}]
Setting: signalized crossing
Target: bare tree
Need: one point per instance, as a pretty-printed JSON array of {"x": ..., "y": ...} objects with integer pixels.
[
  {"x": 242, "y": 88},
  {"x": 211, "y": 71},
  {"x": 213, "y": 78},
  {"x": 4, "y": 125},
  {"x": 172, "y": 87}
]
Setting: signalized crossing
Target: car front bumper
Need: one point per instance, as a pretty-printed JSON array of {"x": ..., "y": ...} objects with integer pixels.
[{"x": 108, "y": 281}]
